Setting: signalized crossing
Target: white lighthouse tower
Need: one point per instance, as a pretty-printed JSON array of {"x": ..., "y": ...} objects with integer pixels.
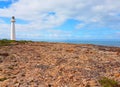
[{"x": 13, "y": 28}]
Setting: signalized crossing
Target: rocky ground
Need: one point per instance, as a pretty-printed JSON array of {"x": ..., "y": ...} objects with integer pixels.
[{"x": 42, "y": 64}]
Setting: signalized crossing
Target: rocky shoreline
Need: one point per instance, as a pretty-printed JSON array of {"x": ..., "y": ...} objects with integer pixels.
[{"x": 42, "y": 64}]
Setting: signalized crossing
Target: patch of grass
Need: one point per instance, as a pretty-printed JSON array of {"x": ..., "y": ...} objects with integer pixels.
[
  {"x": 3, "y": 79},
  {"x": 106, "y": 82},
  {"x": 23, "y": 41},
  {"x": 55, "y": 49},
  {"x": 5, "y": 42},
  {"x": 11, "y": 67}
]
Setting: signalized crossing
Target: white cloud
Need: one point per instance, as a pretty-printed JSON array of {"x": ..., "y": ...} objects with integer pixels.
[
  {"x": 35, "y": 10},
  {"x": 80, "y": 25},
  {"x": 92, "y": 12},
  {"x": 2, "y": 21}
]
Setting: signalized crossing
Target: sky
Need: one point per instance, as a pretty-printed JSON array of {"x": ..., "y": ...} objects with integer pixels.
[{"x": 61, "y": 19}]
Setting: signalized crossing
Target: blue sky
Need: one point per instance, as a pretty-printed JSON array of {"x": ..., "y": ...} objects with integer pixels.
[{"x": 61, "y": 19}]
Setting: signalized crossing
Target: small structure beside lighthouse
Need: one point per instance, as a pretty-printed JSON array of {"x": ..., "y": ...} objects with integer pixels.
[{"x": 13, "y": 28}]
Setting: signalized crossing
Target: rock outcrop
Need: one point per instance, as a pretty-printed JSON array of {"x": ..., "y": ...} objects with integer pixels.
[{"x": 42, "y": 64}]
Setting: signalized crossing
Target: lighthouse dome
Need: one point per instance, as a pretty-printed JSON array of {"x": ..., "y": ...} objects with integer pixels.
[{"x": 13, "y": 19}]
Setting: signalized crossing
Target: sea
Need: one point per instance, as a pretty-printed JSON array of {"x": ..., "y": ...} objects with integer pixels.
[
  {"x": 104, "y": 43},
  {"x": 114, "y": 43}
]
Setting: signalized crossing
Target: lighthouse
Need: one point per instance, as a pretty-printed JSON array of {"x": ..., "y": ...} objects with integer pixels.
[{"x": 13, "y": 28}]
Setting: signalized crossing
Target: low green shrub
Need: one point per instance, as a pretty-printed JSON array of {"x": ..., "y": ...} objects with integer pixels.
[
  {"x": 106, "y": 82},
  {"x": 23, "y": 41},
  {"x": 5, "y": 42},
  {"x": 3, "y": 79}
]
